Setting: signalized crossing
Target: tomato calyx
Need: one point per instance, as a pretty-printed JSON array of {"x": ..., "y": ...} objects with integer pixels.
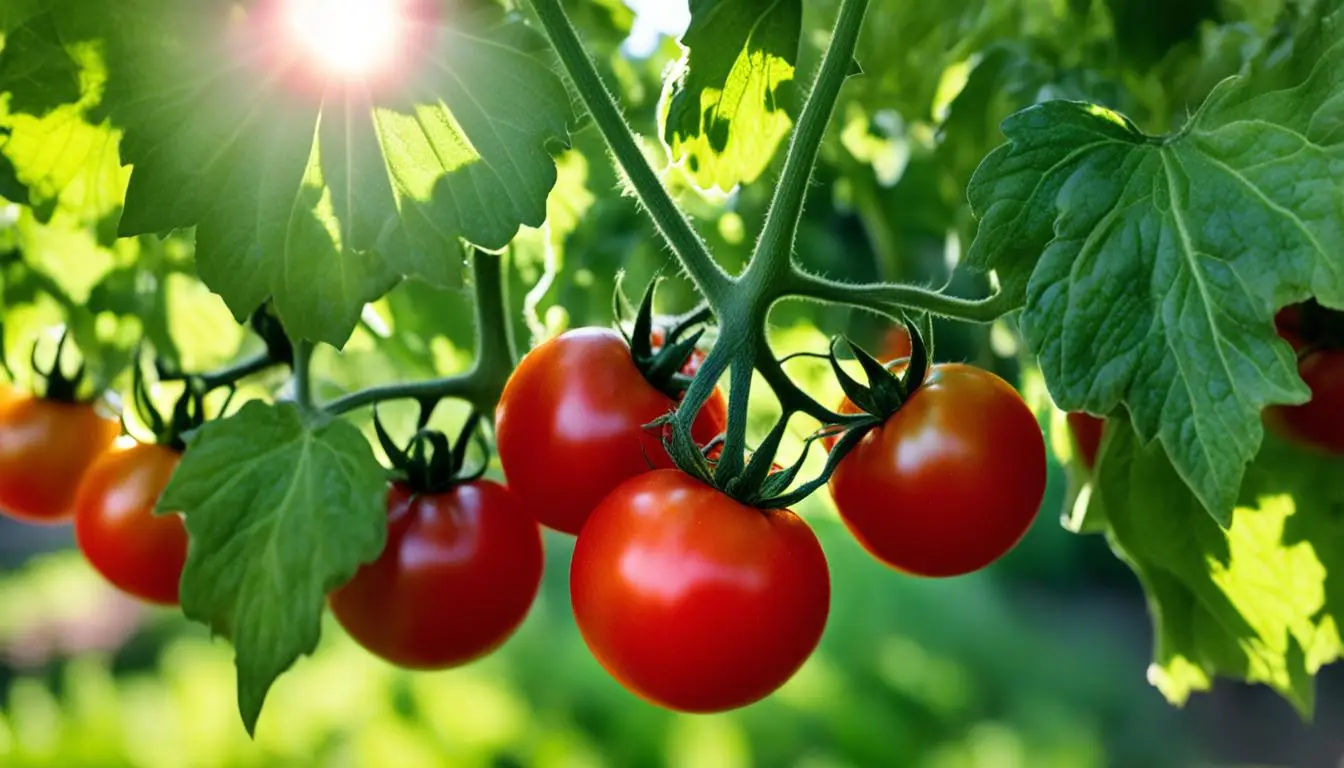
[
  {"x": 60, "y": 386},
  {"x": 663, "y": 364},
  {"x": 885, "y": 391},
  {"x": 430, "y": 464},
  {"x": 188, "y": 411}
]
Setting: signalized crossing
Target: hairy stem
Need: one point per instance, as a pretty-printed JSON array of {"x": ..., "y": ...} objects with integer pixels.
[
  {"x": 774, "y": 250},
  {"x": 695, "y": 258},
  {"x": 889, "y": 298}
]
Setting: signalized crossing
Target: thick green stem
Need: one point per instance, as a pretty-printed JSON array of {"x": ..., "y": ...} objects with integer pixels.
[
  {"x": 888, "y": 298},
  {"x": 303, "y": 377},
  {"x": 482, "y": 384},
  {"x": 774, "y": 251},
  {"x": 695, "y": 258}
]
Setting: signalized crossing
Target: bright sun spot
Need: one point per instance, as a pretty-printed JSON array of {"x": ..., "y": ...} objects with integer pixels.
[{"x": 347, "y": 38}]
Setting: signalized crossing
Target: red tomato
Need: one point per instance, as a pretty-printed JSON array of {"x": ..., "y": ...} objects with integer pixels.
[
  {"x": 45, "y": 448},
  {"x": 457, "y": 577},
  {"x": 951, "y": 481},
  {"x": 570, "y": 425},
  {"x": 693, "y": 362},
  {"x": 116, "y": 528},
  {"x": 694, "y": 601},
  {"x": 895, "y": 344},
  {"x": 1087, "y": 432},
  {"x": 1319, "y": 422}
]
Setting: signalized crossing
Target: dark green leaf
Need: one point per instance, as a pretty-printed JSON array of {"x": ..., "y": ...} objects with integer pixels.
[
  {"x": 36, "y": 70},
  {"x": 730, "y": 102},
  {"x": 1151, "y": 267},
  {"x": 282, "y": 508}
]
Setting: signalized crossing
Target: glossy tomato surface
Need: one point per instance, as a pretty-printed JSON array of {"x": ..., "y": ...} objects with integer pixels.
[
  {"x": 139, "y": 553},
  {"x": 1319, "y": 422},
  {"x": 570, "y": 425},
  {"x": 1087, "y": 433},
  {"x": 951, "y": 481},
  {"x": 45, "y": 448},
  {"x": 458, "y": 575},
  {"x": 693, "y": 601}
]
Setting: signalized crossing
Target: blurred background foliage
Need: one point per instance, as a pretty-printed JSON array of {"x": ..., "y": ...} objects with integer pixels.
[{"x": 1036, "y": 662}]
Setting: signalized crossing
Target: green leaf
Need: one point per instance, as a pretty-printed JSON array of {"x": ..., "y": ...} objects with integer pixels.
[
  {"x": 1150, "y": 268},
  {"x": 324, "y": 199},
  {"x": 282, "y": 507},
  {"x": 63, "y": 157},
  {"x": 36, "y": 70},
  {"x": 728, "y": 105},
  {"x": 1260, "y": 601}
]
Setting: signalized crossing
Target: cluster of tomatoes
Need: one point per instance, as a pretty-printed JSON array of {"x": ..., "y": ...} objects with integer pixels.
[
  {"x": 1317, "y": 336},
  {"x": 689, "y": 597},
  {"x": 698, "y": 602},
  {"x": 60, "y": 459}
]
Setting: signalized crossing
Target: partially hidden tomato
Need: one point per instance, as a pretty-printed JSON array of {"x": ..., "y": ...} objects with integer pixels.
[
  {"x": 458, "y": 575},
  {"x": 115, "y": 526},
  {"x": 570, "y": 425},
  {"x": 45, "y": 448},
  {"x": 895, "y": 344},
  {"x": 951, "y": 481},
  {"x": 694, "y": 601},
  {"x": 1087, "y": 433},
  {"x": 1319, "y": 422}
]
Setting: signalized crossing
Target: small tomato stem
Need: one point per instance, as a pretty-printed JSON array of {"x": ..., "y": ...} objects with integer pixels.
[
  {"x": 482, "y": 384},
  {"x": 676, "y": 229},
  {"x": 889, "y": 298},
  {"x": 733, "y": 458},
  {"x": 238, "y": 371}
]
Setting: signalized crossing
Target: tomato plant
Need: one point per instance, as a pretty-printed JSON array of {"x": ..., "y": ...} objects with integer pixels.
[
  {"x": 571, "y": 425},
  {"x": 46, "y": 446},
  {"x": 693, "y": 600},
  {"x": 458, "y": 575},
  {"x": 389, "y": 193},
  {"x": 116, "y": 528},
  {"x": 951, "y": 481}
]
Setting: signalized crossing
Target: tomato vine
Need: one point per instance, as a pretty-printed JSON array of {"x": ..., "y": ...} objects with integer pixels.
[{"x": 1140, "y": 272}]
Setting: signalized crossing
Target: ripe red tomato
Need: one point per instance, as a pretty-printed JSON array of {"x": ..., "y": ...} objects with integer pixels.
[
  {"x": 116, "y": 528},
  {"x": 457, "y": 577},
  {"x": 694, "y": 601},
  {"x": 951, "y": 481},
  {"x": 45, "y": 448},
  {"x": 570, "y": 425},
  {"x": 895, "y": 344},
  {"x": 1319, "y": 422},
  {"x": 1087, "y": 432}
]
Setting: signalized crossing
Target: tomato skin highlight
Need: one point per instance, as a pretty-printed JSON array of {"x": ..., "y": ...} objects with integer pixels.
[
  {"x": 570, "y": 425},
  {"x": 1319, "y": 422},
  {"x": 693, "y": 601},
  {"x": 116, "y": 529},
  {"x": 1087, "y": 433},
  {"x": 951, "y": 482},
  {"x": 46, "y": 446},
  {"x": 458, "y": 576}
]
